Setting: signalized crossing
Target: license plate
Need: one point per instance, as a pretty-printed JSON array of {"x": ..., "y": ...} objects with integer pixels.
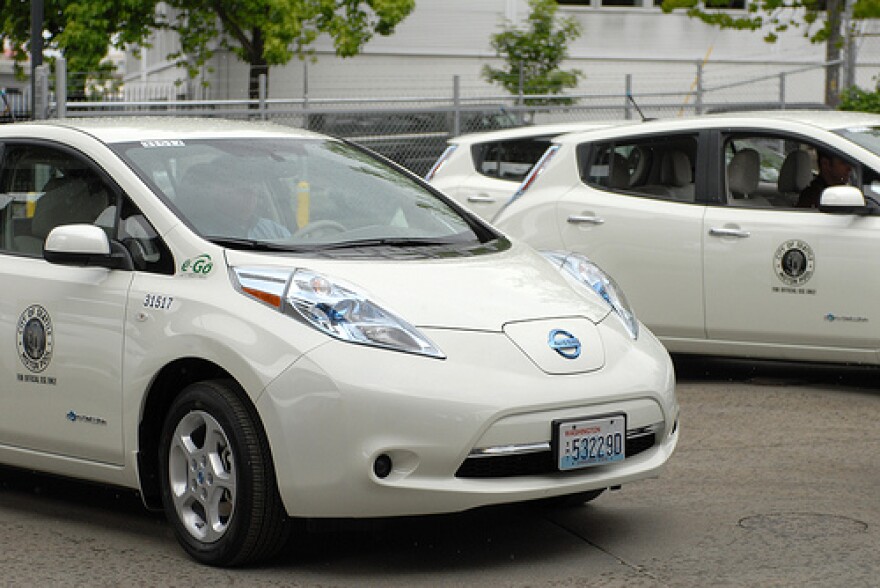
[{"x": 589, "y": 442}]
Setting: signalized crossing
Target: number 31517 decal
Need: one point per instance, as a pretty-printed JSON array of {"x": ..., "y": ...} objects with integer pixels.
[{"x": 158, "y": 301}]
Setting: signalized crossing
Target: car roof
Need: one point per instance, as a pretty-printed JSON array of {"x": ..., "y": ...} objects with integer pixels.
[
  {"x": 827, "y": 120},
  {"x": 527, "y": 131},
  {"x": 126, "y": 129}
]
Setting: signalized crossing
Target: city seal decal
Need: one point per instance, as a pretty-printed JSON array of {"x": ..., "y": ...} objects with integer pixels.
[
  {"x": 794, "y": 262},
  {"x": 35, "y": 338}
]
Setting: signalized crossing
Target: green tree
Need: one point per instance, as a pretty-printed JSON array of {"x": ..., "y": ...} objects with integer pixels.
[
  {"x": 81, "y": 31},
  {"x": 534, "y": 55},
  {"x": 861, "y": 100},
  {"x": 820, "y": 21},
  {"x": 262, "y": 33}
]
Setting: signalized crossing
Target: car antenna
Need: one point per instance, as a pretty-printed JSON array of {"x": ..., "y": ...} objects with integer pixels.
[{"x": 634, "y": 103}]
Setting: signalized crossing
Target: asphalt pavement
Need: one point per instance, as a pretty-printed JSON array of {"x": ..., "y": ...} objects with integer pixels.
[{"x": 775, "y": 483}]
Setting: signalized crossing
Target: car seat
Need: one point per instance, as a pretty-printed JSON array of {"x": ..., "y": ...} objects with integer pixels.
[
  {"x": 678, "y": 176},
  {"x": 795, "y": 174},
  {"x": 66, "y": 200},
  {"x": 743, "y": 178}
]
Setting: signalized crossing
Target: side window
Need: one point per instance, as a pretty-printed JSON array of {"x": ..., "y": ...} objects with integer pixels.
[
  {"x": 768, "y": 171},
  {"x": 653, "y": 167},
  {"x": 42, "y": 187},
  {"x": 508, "y": 160}
]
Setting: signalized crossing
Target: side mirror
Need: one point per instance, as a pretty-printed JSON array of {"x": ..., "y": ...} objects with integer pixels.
[
  {"x": 842, "y": 199},
  {"x": 84, "y": 245}
]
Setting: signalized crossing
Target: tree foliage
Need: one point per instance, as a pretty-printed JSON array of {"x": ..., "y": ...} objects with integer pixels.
[
  {"x": 818, "y": 20},
  {"x": 81, "y": 31},
  {"x": 262, "y": 33},
  {"x": 533, "y": 55},
  {"x": 860, "y": 100}
]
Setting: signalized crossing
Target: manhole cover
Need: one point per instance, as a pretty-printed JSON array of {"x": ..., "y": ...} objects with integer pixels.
[{"x": 804, "y": 525}]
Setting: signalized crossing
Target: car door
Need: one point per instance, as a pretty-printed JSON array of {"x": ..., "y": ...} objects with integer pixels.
[
  {"x": 797, "y": 281},
  {"x": 637, "y": 214},
  {"x": 61, "y": 327}
]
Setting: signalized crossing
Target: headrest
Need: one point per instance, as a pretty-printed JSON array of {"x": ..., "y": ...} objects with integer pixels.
[
  {"x": 66, "y": 201},
  {"x": 796, "y": 172},
  {"x": 619, "y": 172},
  {"x": 744, "y": 172},
  {"x": 676, "y": 170}
]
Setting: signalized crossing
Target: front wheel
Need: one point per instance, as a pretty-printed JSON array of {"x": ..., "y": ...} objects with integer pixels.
[{"x": 217, "y": 477}]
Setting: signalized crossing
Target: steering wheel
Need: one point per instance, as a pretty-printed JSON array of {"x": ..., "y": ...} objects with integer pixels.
[{"x": 319, "y": 228}]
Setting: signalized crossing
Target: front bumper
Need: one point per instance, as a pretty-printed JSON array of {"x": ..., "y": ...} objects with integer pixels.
[{"x": 338, "y": 409}]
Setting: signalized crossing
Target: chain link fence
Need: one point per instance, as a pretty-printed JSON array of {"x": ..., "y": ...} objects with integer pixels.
[{"x": 413, "y": 130}]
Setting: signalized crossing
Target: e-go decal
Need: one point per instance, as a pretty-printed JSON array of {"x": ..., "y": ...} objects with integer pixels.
[
  {"x": 35, "y": 338},
  {"x": 794, "y": 263},
  {"x": 197, "y": 266}
]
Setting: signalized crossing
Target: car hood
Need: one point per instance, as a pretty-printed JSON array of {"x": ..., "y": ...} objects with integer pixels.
[{"x": 484, "y": 292}]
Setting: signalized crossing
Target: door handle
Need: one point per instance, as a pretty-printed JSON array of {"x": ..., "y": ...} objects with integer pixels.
[
  {"x": 582, "y": 219},
  {"x": 727, "y": 232},
  {"x": 480, "y": 198}
]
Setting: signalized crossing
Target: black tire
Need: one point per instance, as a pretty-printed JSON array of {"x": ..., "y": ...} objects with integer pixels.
[{"x": 217, "y": 478}]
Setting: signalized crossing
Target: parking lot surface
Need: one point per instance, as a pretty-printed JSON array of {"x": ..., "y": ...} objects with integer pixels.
[{"x": 774, "y": 483}]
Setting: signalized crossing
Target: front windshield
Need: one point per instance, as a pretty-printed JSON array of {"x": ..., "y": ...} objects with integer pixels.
[
  {"x": 867, "y": 137},
  {"x": 294, "y": 193}
]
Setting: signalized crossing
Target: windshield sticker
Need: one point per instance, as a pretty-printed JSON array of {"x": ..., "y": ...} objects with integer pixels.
[
  {"x": 197, "y": 266},
  {"x": 169, "y": 143},
  {"x": 794, "y": 264},
  {"x": 35, "y": 339}
]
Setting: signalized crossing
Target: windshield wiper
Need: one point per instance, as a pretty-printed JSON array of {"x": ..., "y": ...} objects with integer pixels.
[
  {"x": 386, "y": 242},
  {"x": 249, "y": 244}
]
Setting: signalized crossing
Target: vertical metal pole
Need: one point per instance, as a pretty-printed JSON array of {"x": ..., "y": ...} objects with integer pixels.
[
  {"x": 456, "y": 102},
  {"x": 627, "y": 102},
  {"x": 698, "y": 100},
  {"x": 262, "y": 90},
  {"x": 782, "y": 90},
  {"x": 41, "y": 98},
  {"x": 36, "y": 48},
  {"x": 60, "y": 87}
]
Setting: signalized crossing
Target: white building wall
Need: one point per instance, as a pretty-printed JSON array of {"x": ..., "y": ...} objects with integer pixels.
[{"x": 442, "y": 39}]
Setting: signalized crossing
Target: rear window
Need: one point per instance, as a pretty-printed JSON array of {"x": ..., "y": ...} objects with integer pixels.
[{"x": 509, "y": 160}]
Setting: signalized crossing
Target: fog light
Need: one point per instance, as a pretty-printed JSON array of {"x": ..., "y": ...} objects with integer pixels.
[{"x": 382, "y": 466}]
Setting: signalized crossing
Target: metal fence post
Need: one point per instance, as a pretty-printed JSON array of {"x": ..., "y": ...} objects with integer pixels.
[
  {"x": 698, "y": 100},
  {"x": 456, "y": 105},
  {"x": 60, "y": 87},
  {"x": 627, "y": 100},
  {"x": 41, "y": 96},
  {"x": 782, "y": 90},
  {"x": 262, "y": 82}
]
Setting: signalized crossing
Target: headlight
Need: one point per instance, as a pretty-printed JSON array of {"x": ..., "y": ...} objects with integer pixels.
[
  {"x": 341, "y": 311},
  {"x": 591, "y": 275}
]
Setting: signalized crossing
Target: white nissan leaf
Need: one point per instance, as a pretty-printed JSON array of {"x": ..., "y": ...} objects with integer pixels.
[{"x": 248, "y": 323}]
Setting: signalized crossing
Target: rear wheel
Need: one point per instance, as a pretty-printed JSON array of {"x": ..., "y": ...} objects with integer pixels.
[{"x": 218, "y": 480}]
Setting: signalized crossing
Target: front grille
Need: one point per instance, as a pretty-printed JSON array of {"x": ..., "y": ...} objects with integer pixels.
[{"x": 541, "y": 462}]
